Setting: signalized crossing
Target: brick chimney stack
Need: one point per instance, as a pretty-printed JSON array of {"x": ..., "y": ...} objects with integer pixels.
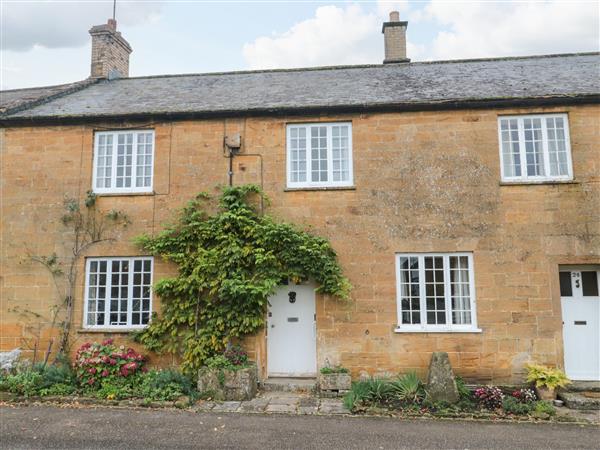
[
  {"x": 110, "y": 52},
  {"x": 394, "y": 36}
]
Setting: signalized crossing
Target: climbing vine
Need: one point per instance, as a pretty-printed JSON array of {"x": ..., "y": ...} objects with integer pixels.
[
  {"x": 230, "y": 259},
  {"x": 87, "y": 227}
]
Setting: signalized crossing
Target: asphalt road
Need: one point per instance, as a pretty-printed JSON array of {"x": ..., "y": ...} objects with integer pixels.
[{"x": 45, "y": 427}]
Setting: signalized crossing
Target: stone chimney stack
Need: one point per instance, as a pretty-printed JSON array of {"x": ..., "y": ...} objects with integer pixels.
[
  {"x": 110, "y": 52},
  {"x": 394, "y": 35}
]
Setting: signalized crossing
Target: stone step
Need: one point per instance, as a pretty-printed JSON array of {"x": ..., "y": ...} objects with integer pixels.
[
  {"x": 581, "y": 400},
  {"x": 583, "y": 386},
  {"x": 288, "y": 385}
]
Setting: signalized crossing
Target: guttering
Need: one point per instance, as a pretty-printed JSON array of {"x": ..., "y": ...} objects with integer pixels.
[{"x": 310, "y": 110}]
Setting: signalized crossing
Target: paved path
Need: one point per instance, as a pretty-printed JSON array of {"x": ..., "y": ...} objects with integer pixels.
[
  {"x": 43, "y": 427},
  {"x": 280, "y": 402}
]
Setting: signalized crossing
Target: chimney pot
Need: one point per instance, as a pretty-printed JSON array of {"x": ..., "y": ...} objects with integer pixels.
[
  {"x": 110, "y": 52},
  {"x": 394, "y": 36}
]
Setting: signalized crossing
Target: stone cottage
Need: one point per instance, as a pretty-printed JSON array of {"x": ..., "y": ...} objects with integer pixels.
[{"x": 462, "y": 198}]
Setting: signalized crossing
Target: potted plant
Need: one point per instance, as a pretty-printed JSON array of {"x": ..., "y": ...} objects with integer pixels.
[
  {"x": 334, "y": 380},
  {"x": 546, "y": 380}
]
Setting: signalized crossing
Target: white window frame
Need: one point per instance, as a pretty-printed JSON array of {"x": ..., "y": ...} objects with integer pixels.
[
  {"x": 524, "y": 178},
  {"x": 448, "y": 327},
  {"x": 129, "y": 325},
  {"x": 316, "y": 184},
  {"x": 122, "y": 190}
]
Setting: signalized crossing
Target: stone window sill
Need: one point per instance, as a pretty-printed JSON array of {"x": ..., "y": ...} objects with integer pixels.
[
  {"x": 425, "y": 330},
  {"x": 321, "y": 188},
  {"x": 536, "y": 183},
  {"x": 124, "y": 194},
  {"x": 107, "y": 330}
]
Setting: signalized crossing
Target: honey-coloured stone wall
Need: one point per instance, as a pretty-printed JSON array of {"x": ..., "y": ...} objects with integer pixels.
[{"x": 423, "y": 182}]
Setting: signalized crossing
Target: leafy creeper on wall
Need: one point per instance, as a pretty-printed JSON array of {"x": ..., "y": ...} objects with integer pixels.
[{"x": 230, "y": 259}]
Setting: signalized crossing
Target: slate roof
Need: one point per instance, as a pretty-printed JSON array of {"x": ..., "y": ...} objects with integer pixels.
[
  {"x": 419, "y": 85},
  {"x": 17, "y": 99}
]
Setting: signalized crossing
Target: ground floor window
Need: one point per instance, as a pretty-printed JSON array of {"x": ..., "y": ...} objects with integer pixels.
[
  {"x": 435, "y": 292},
  {"x": 118, "y": 292}
]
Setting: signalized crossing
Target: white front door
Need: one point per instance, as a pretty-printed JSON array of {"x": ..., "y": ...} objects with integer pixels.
[
  {"x": 291, "y": 332},
  {"x": 580, "y": 303}
]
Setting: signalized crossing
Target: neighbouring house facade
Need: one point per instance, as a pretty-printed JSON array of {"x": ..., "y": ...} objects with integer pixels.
[{"x": 462, "y": 198}]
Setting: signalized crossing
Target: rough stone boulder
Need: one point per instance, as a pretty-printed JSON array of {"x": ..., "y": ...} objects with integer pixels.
[
  {"x": 223, "y": 384},
  {"x": 8, "y": 360},
  {"x": 441, "y": 385}
]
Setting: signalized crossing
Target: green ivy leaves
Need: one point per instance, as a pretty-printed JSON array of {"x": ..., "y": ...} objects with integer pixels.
[{"x": 229, "y": 262}]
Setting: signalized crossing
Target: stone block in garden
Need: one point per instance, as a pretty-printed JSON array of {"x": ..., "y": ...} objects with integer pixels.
[
  {"x": 225, "y": 384},
  {"x": 334, "y": 383},
  {"x": 441, "y": 385}
]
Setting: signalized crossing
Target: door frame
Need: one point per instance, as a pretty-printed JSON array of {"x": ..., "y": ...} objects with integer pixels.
[
  {"x": 269, "y": 374},
  {"x": 592, "y": 267}
]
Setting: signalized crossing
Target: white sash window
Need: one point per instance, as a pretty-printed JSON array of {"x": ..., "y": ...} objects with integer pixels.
[
  {"x": 123, "y": 161},
  {"x": 319, "y": 155}
]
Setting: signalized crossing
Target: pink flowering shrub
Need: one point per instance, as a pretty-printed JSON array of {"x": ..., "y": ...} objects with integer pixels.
[
  {"x": 525, "y": 395},
  {"x": 489, "y": 397},
  {"x": 96, "y": 362}
]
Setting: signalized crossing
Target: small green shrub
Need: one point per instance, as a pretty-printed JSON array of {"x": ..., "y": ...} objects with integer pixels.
[
  {"x": 359, "y": 394},
  {"x": 26, "y": 383},
  {"x": 408, "y": 388},
  {"x": 335, "y": 369},
  {"x": 544, "y": 407},
  {"x": 60, "y": 389},
  {"x": 546, "y": 377},
  {"x": 374, "y": 391},
  {"x": 219, "y": 362},
  {"x": 380, "y": 390},
  {"x": 116, "y": 388},
  {"x": 166, "y": 385},
  {"x": 463, "y": 391},
  {"x": 514, "y": 406},
  {"x": 57, "y": 373}
]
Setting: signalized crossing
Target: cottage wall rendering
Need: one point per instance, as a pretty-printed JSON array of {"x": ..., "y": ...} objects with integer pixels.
[{"x": 456, "y": 194}]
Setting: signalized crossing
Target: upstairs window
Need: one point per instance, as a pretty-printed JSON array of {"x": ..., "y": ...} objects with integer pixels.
[
  {"x": 319, "y": 155},
  {"x": 123, "y": 161},
  {"x": 118, "y": 292},
  {"x": 535, "y": 148},
  {"x": 436, "y": 292}
]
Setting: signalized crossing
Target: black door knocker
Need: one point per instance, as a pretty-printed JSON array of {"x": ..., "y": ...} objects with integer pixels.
[{"x": 292, "y": 296}]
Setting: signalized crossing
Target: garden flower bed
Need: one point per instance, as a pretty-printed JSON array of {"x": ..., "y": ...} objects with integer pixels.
[{"x": 406, "y": 396}]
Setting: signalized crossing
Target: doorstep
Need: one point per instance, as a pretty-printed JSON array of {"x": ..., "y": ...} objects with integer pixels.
[
  {"x": 282, "y": 403},
  {"x": 305, "y": 385}
]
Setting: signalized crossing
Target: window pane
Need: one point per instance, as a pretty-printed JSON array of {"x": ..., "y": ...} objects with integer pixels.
[
  {"x": 460, "y": 290},
  {"x": 533, "y": 147},
  {"x": 566, "y": 289},
  {"x": 141, "y": 291},
  {"x": 119, "y": 293},
  {"x": 297, "y": 154},
  {"x": 318, "y": 145},
  {"x": 144, "y": 160},
  {"x": 340, "y": 153},
  {"x": 409, "y": 289},
  {"x": 511, "y": 159},
  {"x": 589, "y": 281},
  {"x": 557, "y": 149},
  {"x": 104, "y": 161},
  {"x": 434, "y": 288},
  {"x": 96, "y": 291}
]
